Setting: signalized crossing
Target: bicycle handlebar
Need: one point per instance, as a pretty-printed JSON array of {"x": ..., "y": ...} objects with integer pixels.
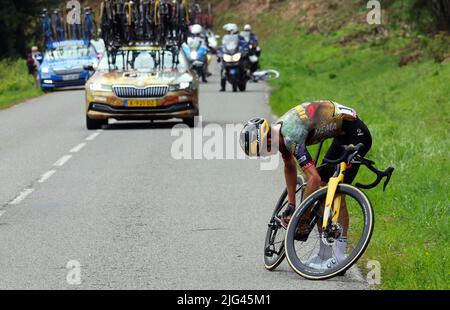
[
  {"x": 380, "y": 175},
  {"x": 350, "y": 151},
  {"x": 351, "y": 156}
]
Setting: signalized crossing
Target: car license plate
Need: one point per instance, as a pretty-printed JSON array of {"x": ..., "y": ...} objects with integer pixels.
[
  {"x": 141, "y": 103},
  {"x": 70, "y": 77}
]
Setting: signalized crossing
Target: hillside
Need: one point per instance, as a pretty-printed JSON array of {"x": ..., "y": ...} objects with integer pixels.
[{"x": 396, "y": 75}]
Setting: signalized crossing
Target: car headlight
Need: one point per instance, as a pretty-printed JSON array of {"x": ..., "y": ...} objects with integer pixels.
[
  {"x": 45, "y": 70},
  {"x": 100, "y": 87},
  {"x": 181, "y": 86},
  {"x": 236, "y": 57}
]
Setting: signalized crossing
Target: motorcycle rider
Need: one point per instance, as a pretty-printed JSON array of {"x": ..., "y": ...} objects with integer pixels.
[
  {"x": 232, "y": 30},
  {"x": 251, "y": 40},
  {"x": 197, "y": 34}
]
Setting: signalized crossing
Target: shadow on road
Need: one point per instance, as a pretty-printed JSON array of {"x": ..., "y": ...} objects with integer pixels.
[{"x": 141, "y": 125}]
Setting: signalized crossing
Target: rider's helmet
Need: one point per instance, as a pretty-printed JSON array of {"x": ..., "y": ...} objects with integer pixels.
[
  {"x": 231, "y": 28},
  {"x": 254, "y": 136},
  {"x": 248, "y": 28},
  {"x": 196, "y": 29},
  {"x": 234, "y": 29}
]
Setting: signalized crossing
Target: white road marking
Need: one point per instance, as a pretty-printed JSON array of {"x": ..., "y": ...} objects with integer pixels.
[
  {"x": 62, "y": 161},
  {"x": 93, "y": 136},
  {"x": 1, "y": 213},
  {"x": 78, "y": 148},
  {"x": 24, "y": 194},
  {"x": 46, "y": 176}
]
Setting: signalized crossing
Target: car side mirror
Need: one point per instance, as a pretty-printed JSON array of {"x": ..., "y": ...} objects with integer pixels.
[{"x": 89, "y": 67}]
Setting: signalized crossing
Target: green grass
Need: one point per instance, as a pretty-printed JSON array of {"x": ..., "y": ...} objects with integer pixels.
[
  {"x": 16, "y": 84},
  {"x": 408, "y": 112}
]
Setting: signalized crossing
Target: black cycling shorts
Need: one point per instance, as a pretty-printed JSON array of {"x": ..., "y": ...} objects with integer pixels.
[{"x": 355, "y": 132}]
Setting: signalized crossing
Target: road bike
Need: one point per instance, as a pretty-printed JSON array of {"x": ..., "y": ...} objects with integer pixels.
[
  {"x": 47, "y": 27},
  {"x": 59, "y": 26},
  {"x": 337, "y": 215},
  {"x": 106, "y": 23},
  {"x": 265, "y": 75},
  {"x": 90, "y": 27}
]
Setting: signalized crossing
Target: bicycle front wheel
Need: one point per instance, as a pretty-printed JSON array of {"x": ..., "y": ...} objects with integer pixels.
[
  {"x": 318, "y": 254},
  {"x": 274, "y": 245}
]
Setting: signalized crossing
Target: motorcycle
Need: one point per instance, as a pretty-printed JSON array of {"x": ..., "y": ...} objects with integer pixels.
[
  {"x": 253, "y": 51},
  {"x": 197, "y": 55},
  {"x": 233, "y": 56}
]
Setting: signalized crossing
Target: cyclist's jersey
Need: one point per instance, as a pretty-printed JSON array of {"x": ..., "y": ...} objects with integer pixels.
[{"x": 313, "y": 122}]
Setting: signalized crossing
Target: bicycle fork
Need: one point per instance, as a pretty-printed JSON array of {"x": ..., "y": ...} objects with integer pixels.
[{"x": 333, "y": 201}]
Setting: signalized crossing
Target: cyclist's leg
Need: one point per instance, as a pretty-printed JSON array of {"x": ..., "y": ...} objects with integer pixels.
[{"x": 355, "y": 132}]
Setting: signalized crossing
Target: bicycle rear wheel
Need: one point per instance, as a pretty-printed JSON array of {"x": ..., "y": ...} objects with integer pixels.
[
  {"x": 274, "y": 244},
  {"x": 317, "y": 255}
]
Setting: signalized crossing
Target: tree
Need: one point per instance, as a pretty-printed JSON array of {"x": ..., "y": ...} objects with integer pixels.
[{"x": 20, "y": 24}]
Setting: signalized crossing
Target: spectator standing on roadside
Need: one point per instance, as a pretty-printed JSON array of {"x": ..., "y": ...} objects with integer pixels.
[{"x": 34, "y": 60}]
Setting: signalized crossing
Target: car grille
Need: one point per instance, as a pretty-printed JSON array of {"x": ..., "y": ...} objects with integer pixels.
[
  {"x": 134, "y": 92},
  {"x": 68, "y": 71}
]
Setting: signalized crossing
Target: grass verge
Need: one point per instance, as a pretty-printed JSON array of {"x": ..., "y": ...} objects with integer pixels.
[
  {"x": 408, "y": 112},
  {"x": 16, "y": 84}
]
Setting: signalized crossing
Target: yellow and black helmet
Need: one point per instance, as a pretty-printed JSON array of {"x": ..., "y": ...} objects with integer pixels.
[{"x": 254, "y": 136}]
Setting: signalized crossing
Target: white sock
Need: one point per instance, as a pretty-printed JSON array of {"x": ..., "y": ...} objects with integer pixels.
[
  {"x": 341, "y": 246},
  {"x": 325, "y": 251}
]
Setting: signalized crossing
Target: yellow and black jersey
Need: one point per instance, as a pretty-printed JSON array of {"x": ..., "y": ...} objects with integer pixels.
[{"x": 312, "y": 122}]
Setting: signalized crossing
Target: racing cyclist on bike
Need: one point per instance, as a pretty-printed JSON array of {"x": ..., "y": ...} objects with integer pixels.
[{"x": 308, "y": 124}]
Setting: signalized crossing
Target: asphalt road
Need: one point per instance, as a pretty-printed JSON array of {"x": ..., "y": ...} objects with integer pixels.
[{"x": 117, "y": 202}]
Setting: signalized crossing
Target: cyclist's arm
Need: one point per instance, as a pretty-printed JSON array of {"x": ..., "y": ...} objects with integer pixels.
[
  {"x": 308, "y": 166},
  {"x": 313, "y": 179},
  {"x": 290, "y": 175}
]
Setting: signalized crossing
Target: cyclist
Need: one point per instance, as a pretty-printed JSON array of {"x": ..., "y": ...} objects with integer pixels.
[{"x": 307, "y": 124}]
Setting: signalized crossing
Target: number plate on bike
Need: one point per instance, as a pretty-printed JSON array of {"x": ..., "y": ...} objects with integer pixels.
[
  {"x": 141, "y": 103},
  {"x": 70, "y": 77}
]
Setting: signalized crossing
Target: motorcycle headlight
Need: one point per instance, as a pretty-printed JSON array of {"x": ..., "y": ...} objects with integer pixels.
[
  {"x": 45, "y": 70},
  {"x": 100, "y": 87},
  {"x": 194, "y": 55},
  {"x": 227, "y": 58},
  {"x": 236, "y": 57}
]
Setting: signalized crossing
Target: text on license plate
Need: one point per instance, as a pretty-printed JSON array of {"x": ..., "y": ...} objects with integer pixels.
[
  {"x": 141, "y": 103},
  {"x": 70, "y": 77}
]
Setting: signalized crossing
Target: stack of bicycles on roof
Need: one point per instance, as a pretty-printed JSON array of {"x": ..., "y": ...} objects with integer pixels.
[
  {"x": 57, "y": 29},
  {"x": 157, "y": 23}
]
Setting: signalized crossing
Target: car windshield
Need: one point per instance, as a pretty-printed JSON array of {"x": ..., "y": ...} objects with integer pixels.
[
  {"x": 70, "y": 52},
  {"x": 144, "y": 60}
]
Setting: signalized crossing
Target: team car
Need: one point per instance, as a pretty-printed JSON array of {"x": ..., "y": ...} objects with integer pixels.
[
  {"x": 64, "y": 62},
  {"x": 142, "y": 83}
]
